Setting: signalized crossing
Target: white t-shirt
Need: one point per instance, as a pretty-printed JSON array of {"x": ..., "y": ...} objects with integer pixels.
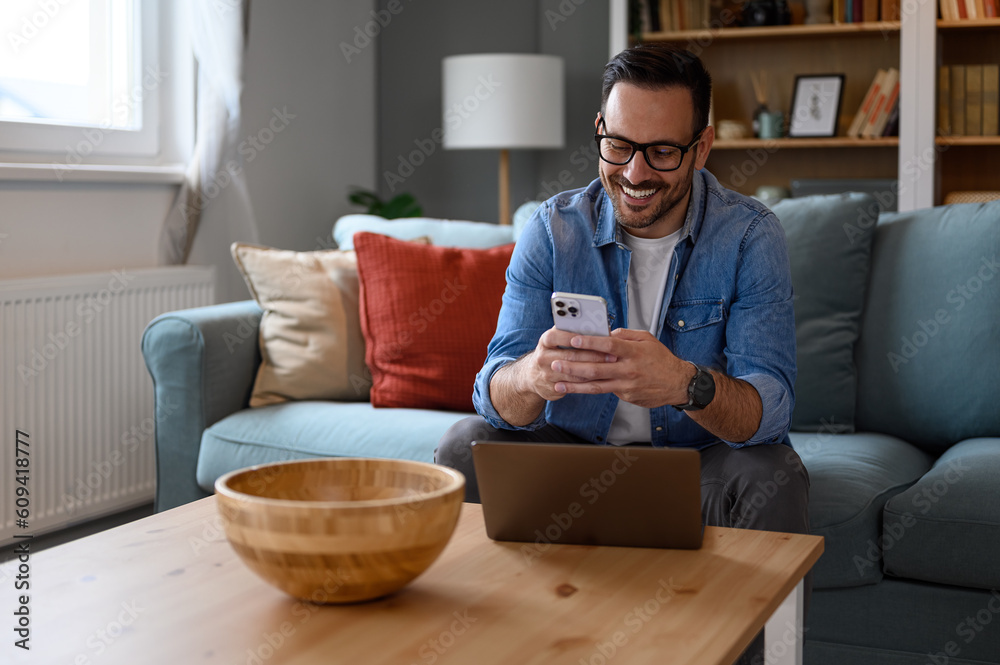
[{"x": 647, "y": 283}]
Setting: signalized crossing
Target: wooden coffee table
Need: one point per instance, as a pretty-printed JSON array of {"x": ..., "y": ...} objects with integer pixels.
[{"x": 169, "y": 589}]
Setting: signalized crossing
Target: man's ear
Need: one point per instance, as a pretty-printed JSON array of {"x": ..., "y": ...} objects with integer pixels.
[
  {"x": 597, "y": 121},
  {"x": 704, "y": 147}
]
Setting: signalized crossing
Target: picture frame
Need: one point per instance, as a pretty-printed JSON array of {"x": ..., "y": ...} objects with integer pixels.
[{"x": 816, "y": 105}]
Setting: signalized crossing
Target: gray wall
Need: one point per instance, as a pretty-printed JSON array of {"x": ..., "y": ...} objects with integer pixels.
[
  {"x": 462, "y": 184},
  {"x": 580, "y": 36},
  {"x": 298, "y": 184}
]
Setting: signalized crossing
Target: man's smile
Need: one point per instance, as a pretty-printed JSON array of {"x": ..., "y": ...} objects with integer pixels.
[{"x": 639, "y": 195}]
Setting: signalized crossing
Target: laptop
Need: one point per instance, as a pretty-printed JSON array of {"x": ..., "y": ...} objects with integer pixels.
[{"x": 590, "y": 494}]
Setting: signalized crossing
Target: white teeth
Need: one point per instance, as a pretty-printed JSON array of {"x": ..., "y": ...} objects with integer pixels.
[{"x": 638, "y": 193}]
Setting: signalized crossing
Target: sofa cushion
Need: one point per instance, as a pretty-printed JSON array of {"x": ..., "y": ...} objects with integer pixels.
[
  {"x": 946, "y": 527},
  {"x": 902, "y": 622},
  {"x": 829, "y": 247},
  {"x": 928, "y": 357},
  {"x": 851, "y": 476},
  {"x": 297, "y": 430},
  {"x": 428, "y": 314},
  {"x": 310, "y": 334},
  {"x": 442, "y": 232}
]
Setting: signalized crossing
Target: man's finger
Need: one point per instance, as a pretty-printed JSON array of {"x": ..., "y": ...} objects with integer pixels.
[
  {"x": 585, "y": 387},
  {"x": 594, "y": 343},
  {"x": 585, "y": 370}
]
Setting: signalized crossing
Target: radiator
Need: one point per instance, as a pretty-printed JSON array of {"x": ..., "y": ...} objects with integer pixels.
[{"x": 76, "y": 400}]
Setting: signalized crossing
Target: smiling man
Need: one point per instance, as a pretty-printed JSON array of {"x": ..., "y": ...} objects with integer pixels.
[{"x": 696, "y": 277}]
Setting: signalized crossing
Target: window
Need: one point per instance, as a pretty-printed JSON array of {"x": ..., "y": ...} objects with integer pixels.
[{"x": 79, "y": 78}]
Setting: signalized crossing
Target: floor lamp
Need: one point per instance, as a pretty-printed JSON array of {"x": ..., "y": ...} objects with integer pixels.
[{"x": 503, "y": 102}]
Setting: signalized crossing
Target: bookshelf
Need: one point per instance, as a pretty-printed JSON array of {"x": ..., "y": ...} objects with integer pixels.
[
  {"x": 779, "y": 32},
  {"x": 967, "y": 162},
  {"x": 926, "y": 165},
  {"x": 857, "y": 50}
]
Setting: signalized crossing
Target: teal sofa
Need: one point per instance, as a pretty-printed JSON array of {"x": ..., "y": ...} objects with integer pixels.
[{"x": 896, "y": 420}]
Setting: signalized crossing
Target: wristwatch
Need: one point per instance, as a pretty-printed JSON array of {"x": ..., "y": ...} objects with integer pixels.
[{"x": 701, "y": 390}]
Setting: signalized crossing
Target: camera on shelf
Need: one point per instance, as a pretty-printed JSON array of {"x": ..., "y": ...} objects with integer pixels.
[{"x": 765, "y": 12}]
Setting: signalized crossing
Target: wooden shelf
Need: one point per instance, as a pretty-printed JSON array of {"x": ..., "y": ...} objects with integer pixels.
[
  {"x": 776, "y": 31},
  {"x": 967, "y": 140},
  {"x": 835, "y": 142},
  {"x": 967, "y": 24}
]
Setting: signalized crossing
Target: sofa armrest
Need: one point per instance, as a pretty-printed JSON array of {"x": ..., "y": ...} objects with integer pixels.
[{"x": 203, "y": 362}]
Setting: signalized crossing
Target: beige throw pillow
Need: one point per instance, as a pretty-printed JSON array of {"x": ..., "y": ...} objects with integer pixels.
[{"x": 310, "y": 335}]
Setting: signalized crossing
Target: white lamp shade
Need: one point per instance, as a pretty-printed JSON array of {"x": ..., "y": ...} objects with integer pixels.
[{"x": 503, "y": 101}]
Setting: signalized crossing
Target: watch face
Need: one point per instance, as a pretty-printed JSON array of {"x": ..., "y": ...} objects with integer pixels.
[{"x": 704, "y": 388}]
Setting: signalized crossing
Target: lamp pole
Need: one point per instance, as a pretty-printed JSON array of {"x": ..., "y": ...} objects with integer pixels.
[{"x": 504, "y": 186}]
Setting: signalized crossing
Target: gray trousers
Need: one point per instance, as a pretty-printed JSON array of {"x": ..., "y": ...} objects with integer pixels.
[{"x": 762, "y": 487}]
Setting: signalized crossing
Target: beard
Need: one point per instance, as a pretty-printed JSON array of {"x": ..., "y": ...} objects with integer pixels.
[{"x": 631, "y": 217}]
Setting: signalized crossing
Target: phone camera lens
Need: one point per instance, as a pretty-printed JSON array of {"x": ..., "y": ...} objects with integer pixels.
[
  {"x": 560, "y": 304},
  {"x": 561, "y": 312},
  {"x": 573, "y": 310}
]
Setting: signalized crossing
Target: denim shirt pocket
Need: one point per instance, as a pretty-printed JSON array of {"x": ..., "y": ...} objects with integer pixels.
[
  {"x": 696, "y": 331},
  {"x": 688, "y": 315}
]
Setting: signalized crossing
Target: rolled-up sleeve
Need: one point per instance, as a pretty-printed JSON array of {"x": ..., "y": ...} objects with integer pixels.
[{"x": 760, "y": 333}]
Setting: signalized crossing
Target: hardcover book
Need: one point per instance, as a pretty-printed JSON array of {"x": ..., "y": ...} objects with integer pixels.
[
  {"x": 944, "y": 101},
  {"x": 958, "y": 100},
  {"x": 974, "y": 100},
  {"x": 991, "y": 100},
  {"x": 890, "y": 10}
]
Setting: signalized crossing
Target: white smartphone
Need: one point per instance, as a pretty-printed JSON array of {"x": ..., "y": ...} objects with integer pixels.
[{"x": 578, "y": 313}]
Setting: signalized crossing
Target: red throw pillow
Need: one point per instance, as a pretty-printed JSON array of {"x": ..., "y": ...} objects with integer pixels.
[{"x": 427, "y": 313}]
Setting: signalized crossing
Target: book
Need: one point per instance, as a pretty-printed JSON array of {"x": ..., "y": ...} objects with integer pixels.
[
  {"x": 666, "y": 17},
  {"x": 854, "y": 131},
  {"x": 991, "y": 100},
  {"x": 944, "y": 102},
  {"x": 891, "y": 102},
  {"x": 882, "y": 108},
  {"x": 892, "y": 124},
  {"x": 890, "y": 10},
  {"x": 857, "y": 13},
  {"x": 957, "y": 100},
  {"x": 869, "y": 10},
  {"x": 654, "y": 14},
  {"x": 992, "y": 10},
  {"x": 966, "y": 9},
  {"x": 980, "y": 9},
  {"x": 973, "y": 100}
]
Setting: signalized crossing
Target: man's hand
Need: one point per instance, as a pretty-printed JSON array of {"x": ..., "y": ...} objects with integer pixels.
[
  {"x": 519, "y": 390},
  {"x": 645, "y": 372},
  {"x": 648, "y": 374},
  {"x": 633, "y": 365}
]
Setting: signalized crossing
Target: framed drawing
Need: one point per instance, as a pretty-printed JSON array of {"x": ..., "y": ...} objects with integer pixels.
[{"x": 816, "y": 105}]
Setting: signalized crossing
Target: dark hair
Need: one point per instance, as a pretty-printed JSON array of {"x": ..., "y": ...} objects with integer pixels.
[{"x": 654, "y": 66}]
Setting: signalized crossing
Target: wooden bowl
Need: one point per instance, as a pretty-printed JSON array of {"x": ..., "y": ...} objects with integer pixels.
[{"x": 340, "y": 530}]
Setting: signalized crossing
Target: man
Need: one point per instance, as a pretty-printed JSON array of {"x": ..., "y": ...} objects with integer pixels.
[{"x": 702, "y": 349}]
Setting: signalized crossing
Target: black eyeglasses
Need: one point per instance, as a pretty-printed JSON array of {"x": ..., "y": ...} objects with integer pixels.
[{"x": 659, "y": 156}]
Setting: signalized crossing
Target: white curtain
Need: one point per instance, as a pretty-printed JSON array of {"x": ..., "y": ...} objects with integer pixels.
[{"x": 218, "y": 36}]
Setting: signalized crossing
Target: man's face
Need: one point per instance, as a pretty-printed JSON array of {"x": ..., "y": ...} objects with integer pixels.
[{"x": 647, "y": 202}]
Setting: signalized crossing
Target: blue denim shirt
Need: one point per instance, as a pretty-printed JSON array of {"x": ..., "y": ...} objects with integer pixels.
[{"x": 728, "y": 305}]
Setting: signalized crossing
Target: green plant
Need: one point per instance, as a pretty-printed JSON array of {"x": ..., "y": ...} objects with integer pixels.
[{"x": 402, "y": 205}]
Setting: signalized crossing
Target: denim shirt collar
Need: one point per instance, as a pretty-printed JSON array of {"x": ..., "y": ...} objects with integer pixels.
[{"x": 607, "y": 228}]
